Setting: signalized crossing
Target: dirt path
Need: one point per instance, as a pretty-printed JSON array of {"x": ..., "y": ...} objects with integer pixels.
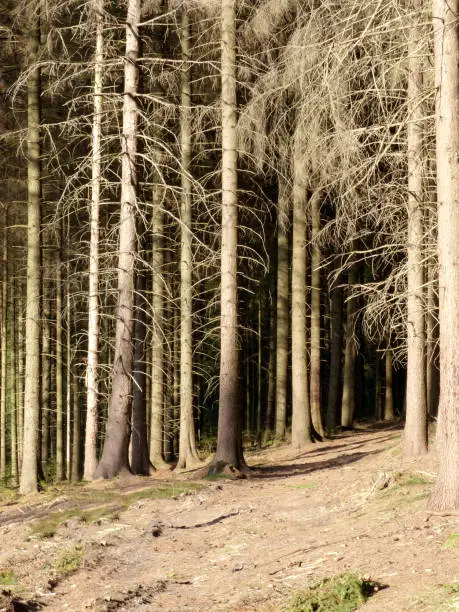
[{"x": 249, "y": 544}]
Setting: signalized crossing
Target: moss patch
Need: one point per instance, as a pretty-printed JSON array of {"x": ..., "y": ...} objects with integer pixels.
[
  {"x": 69, "y": 560},
  {"x": 343, "y": 593},
  {"x": 452, "y": 541},
  {"x": 7, "y": 578}
]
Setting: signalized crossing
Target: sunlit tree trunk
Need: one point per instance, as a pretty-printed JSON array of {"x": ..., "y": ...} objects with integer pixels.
[
  {"x": 187, "y": 442},
  {"x": 115, "y": 455},
  {"x": 301, "y": 416},
  {"x": 46, "y": 354},
  {"x": 12, "y": 372},
  {"x": 315, "y": 384},
  {"x": 59, "y": 362},
  {"x": 76, "y": 429},
  {"x": 415, "y": 435},
  {"x": 229, "y": 447},
  {"x": 20, "y": 372},
  {"x": 68, "y": 383},
  {"x": 446, "y": 493},
  {"x": 90, "y": 443},
  {"x": 29, "y": 472},
  {"x": 271, "y": 391}
]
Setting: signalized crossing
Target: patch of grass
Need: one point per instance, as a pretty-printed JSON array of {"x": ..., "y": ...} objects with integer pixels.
[
  {"x": 413, "y": 480},
  {"x": 106, "y": 504},
  {"x": 452, "y": 541},
  {"x": 304, "y": 485},
  {"x": 7, "y": 578},
  {"x": 343, "y": 593},
  {"x": 69, "y": 560}
]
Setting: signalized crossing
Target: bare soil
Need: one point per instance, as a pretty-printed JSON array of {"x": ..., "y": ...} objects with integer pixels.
[{"x": 349, "y": 504}]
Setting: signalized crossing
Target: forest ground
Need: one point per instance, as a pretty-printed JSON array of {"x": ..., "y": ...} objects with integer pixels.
[{"x": 350, "y": 504}]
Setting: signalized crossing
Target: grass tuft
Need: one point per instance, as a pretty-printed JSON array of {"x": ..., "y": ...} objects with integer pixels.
[
  {"x": 343, "y": 593},
  {"x": 69, "y": 560},
  {"x": 7, "y": 578},
  {"x": 452, "y": 541}
]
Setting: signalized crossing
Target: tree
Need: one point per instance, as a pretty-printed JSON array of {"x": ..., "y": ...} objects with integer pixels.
[
  {"x": 281, "y": 328},
  {"x": 446, "y": 493},
  {"x": 115, "y": 456},
  {"x": 29, "y": 473},
  {"x": 90, "y": 443},
  {"x": 229, "y": 447}
]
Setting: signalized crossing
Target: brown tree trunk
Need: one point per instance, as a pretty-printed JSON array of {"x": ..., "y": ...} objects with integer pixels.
[
  {"x": 336, "y": 342},
  {"x": 76, "y": 429},
  {"x": 281, "y": 331},
  {"x": 315, "y": 383},
  {"x": 59, "y": 362},
  {"x": 271, "y": 399},
  {"x": 3, "y": 339},
  {"x": 115, "y": 456},
  {"x": 229, "y": 437},
  {"x": 350, "y": 354},
  {"x": 415, "y": 435},
  {"x": 446, "y": 493},
  {"x": 388, "y": 395}
]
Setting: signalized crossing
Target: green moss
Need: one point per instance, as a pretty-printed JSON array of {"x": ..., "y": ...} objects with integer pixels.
[
  {"x": 452, "y": 541},
  {"x": 7, "y": 578},
  {"x": 343, "y": 593},
  {"x": 305, "y": 485},
  {"x": 69, "y": 560}
]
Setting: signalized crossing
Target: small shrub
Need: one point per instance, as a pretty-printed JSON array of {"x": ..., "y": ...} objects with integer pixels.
[
  {"x": 69, "y": 560},
  {"x": 343, "y": 593},
  {"x": 7, "y": 578}
]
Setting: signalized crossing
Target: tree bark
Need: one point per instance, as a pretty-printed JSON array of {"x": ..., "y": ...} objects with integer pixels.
[
  {"x": 188, "y": 455},
  {"x": 3, "y": 338},
  {"x": 29, "y": 469},
  {"x": 115, "y": 455},
  {"x": 229, "y": 437},
  {"x": 92, "y": 384},
  {"x": 336, "y": 341},
  {"x": 350, "y": 354},
  {"x": 415, "y": 435},
  {"x": 281, "y": 331},
  {"x": 388, "y": 395},
  {"x": 76, "y": 428},
  {"x": 446, "y": 493},
  {"x": 301, "y": 415},
  {"x": 59, "y": 362},
  {"x": 315, "y": 383}
]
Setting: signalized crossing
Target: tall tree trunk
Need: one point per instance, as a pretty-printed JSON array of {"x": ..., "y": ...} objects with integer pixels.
[
  {"x": 259, "y": 367},
  {"x": 415, "y": 435},
  {"x": 20, "y": 372},
  {"x": 229, "y": 443},
  {"x": 350, "y": 354},
  {"x": 336, "y": 341},
  {"x": 12, "y": 372},
  {"x": 187, "y": 443},
  {"x": 389, "y": 395},
  {"x": 446, "y": 493},
  {"x": 3, "y": 337},
  {"x": 59, "y": 363},
  {"x": 432, "y": 332},
  {"x": 315, "y": 383},
  {"x": 46, "y": 355},
  {"x": 301, "y": 415},
  {"x": 76, "y": 428},
  {"x": 92, "y": 384},
  {"x": 68, "y": 383},
  {"x": 29, "y": 469},
  {"x": 271, "y": 392},
  {"x": 115, "y": 455},
  {"x": 281, "y": 330},
  {"x": 140, "y": 462},
  {"x": 158, "y": 331}
]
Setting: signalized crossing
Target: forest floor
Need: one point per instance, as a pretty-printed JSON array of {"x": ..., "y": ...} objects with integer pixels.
[{"x": 167, "y": 543}]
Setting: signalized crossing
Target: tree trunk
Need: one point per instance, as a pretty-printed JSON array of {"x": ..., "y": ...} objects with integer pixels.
[
  {"x": 415, "y": 435},
  {"x": 115, "y": 456},
  {"x": 3, "y": 337},
  {"x": 388, "y": 395},
  {"x": 350, "y": 354},
  {"x": 158, "y": 331},
  {"x": 271, "y": 392},
  {"x": 446, "y": 493},
  {"x": 229, "y": 443},
  {"x": 140, "y": 462},
  {"x": 315, "y": 384},
  {"x": 188, "y": 455},
  {"x": 92, "y": 384},
  {"x": 20, "y": 372},
  {"x": 29, "y": 472},
  {"x": 46, "y": 355},
  {"x": 59, "y": 364},
  {"x": 76, "y": 429},
  {"x": 336, "y": 341},
  {"x": 281, "y": 331},
  {"x": 432, "y": 332},
  {"x": 301, "y": 416}
]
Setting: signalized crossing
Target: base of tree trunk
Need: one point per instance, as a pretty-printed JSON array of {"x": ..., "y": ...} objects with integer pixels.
[{"x": 221, "y": 468}]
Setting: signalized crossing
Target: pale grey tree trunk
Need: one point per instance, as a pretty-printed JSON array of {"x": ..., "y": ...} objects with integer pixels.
[
  {"x": 301, "y": 415},
  {"x": 350, "y": 353},
  {"x": 415, "y": 434},
  {"x": 115, "y": 455},
  {"x": 187, "y": 442},
  {"x": 3, "y": 339},
  {"x": 29, "y": 473},
  {"x": 445, "y": 496},
  {"x": 281, "y": 331},
  {"x": 59, "y": 361},
  {"x": 92, "y": 385}
]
